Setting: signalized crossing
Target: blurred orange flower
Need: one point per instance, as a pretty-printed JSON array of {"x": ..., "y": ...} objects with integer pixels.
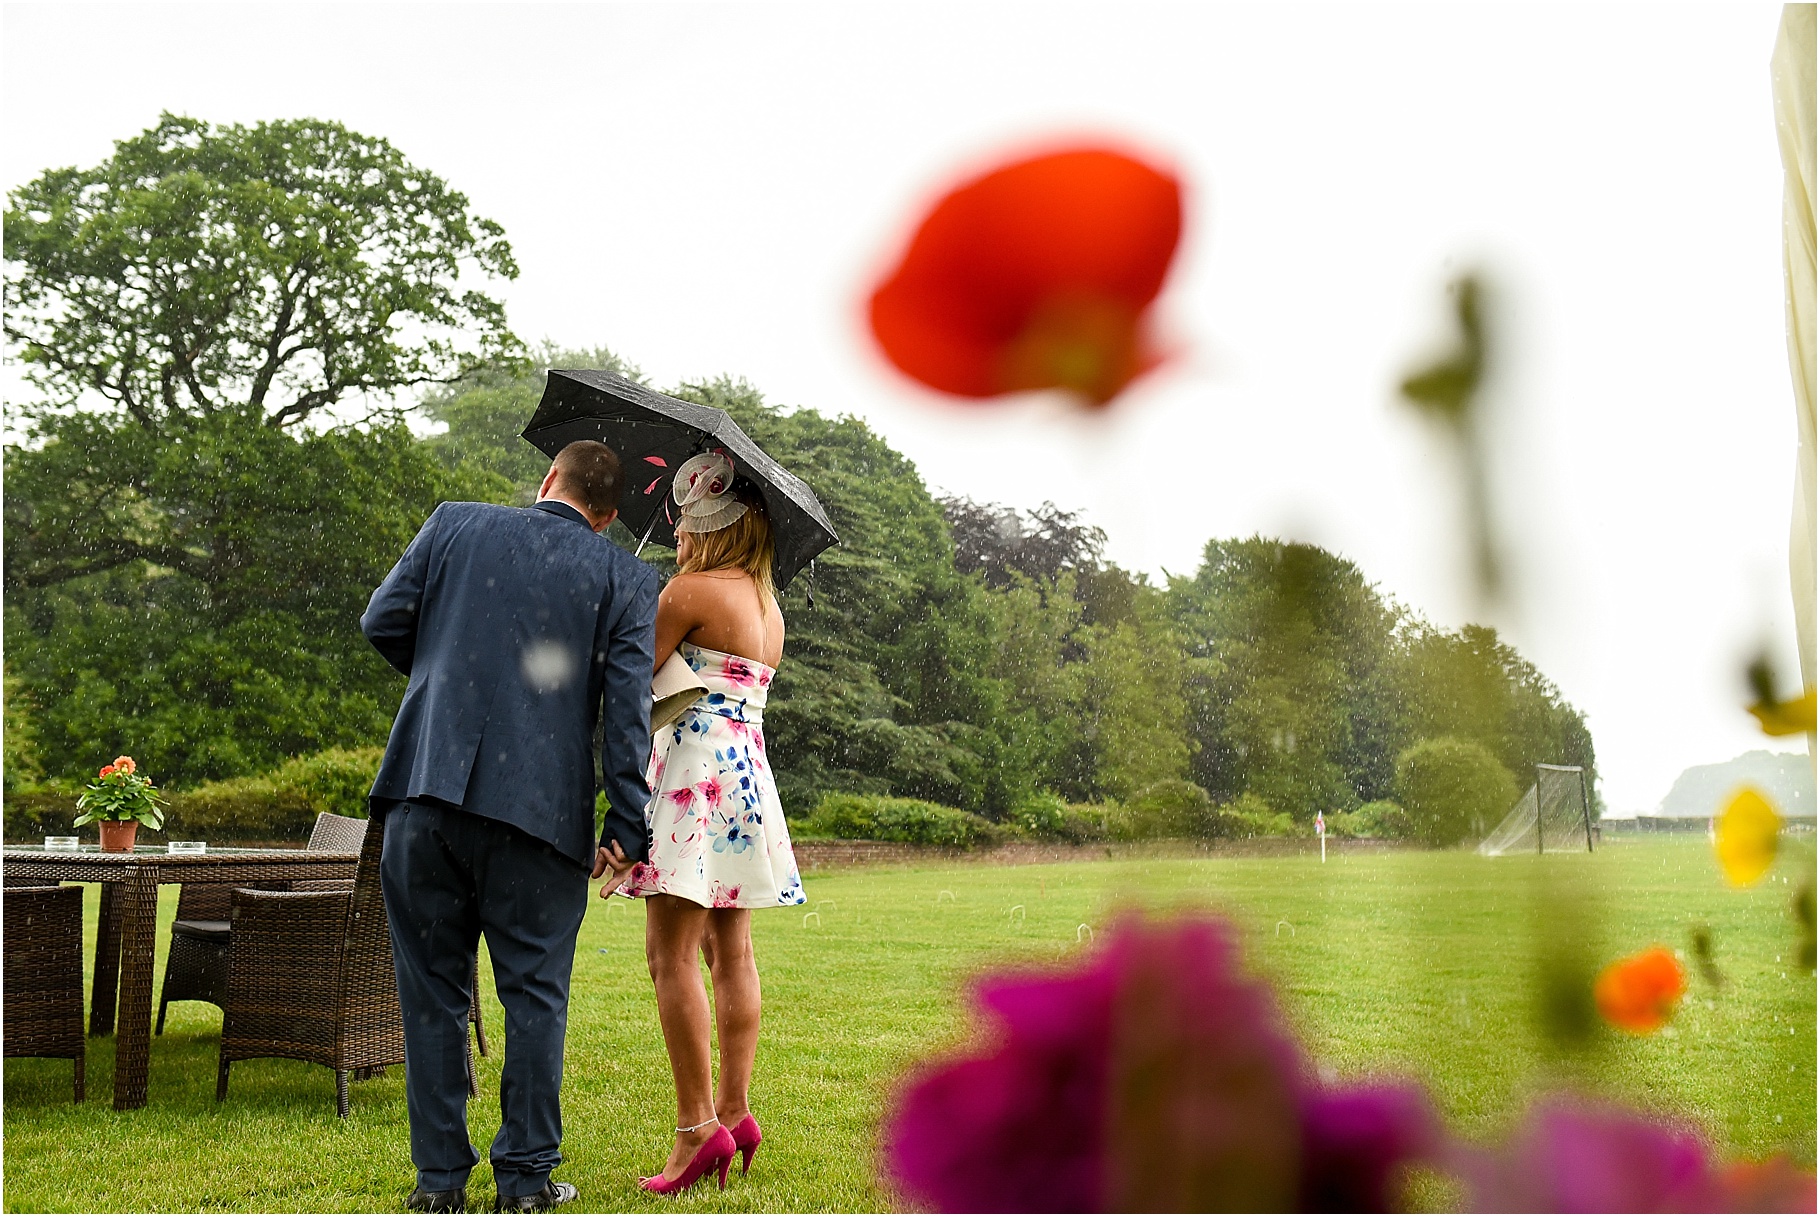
[
  {"x": 105, "y": 770},
  {"x": 1038, "y": 275},
  {"x": 1745, "y": 835},
  {"x": 126, "y": 764},
  {"x": 1639, "y": 994},
  {"x": 1773, "y": 1186}
]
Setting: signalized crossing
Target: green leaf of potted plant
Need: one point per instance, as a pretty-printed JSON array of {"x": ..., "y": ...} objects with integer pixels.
[{"x": 120, "y": 799}]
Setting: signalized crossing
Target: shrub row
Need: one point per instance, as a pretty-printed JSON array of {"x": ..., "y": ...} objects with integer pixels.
[
  {"x": 1184, "y": 811},
  {"x": 1168, "y": 810},
  {"x": 871, "y": 817},
  {"x": 1453, "y": 791},
  {"x": 1048, "y": 817},
  {"x": 278, "y": 806}
]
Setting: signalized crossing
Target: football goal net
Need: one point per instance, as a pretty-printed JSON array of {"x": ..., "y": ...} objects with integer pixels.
[{"x": 1553, "y": 816}]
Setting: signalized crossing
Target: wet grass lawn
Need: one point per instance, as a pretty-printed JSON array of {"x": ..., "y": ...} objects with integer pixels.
[{"x": 1417, "y": 962}]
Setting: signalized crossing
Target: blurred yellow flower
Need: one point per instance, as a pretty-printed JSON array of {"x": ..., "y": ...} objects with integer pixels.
[
  {"x": 1793, "y": 717},
  {"x": 1744, "y": 836}
]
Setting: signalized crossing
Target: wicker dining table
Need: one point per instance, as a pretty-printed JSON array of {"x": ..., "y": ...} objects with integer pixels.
[{"x": 126, "y": 936}]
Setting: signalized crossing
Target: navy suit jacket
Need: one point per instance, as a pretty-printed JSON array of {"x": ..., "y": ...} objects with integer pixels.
[{"x": 520, "y": 629}]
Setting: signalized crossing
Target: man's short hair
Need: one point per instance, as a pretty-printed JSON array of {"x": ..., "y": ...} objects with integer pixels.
[{"x": 588, "y": 470}]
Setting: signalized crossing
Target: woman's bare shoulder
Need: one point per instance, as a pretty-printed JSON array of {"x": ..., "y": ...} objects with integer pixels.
[{"x": 699, "y": 584}]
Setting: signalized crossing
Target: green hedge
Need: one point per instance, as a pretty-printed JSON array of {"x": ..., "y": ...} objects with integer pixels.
[
  {"x": 1048, "y": 817},
  {"x": 278, "y": 806},
  {"x": 874, "y": 817},
  {"x": 1250, "y": 816},
  {"x": 1383, "y": 821},
  {"x": 38, "y": 812},
  {"x": 337, "y": 780},
  {"x": 241, "y": 809},
  {"x": 1178, "y": 810}
]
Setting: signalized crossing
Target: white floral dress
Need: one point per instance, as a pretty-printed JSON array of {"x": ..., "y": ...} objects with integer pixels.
[{"x": 717, "y": 829}]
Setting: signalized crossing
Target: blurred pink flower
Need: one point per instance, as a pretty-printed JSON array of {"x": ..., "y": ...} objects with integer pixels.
[
  {"x": 1353, "y": 1140},
  {"x": 1017, "y": 1127},
  {"x": 1574, "y": 1156},
  {"x": 1155, "y": 1076}
]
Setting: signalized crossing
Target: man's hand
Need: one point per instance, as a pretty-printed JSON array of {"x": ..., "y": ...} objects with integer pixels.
[{"x": 611, "y": 858}]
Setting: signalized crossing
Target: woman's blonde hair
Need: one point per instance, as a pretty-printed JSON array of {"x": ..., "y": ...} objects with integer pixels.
[{"x": 744, "y": 545}]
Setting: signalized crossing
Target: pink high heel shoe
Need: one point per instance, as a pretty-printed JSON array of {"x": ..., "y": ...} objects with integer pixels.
[
  {"x": 747, "y": 1137},
  {"x": 716, "y": 1154}
]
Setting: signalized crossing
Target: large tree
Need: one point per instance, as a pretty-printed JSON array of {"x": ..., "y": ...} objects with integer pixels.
[
  {"x": 185, "y": 562},
  {"x": 274, "y": 270}
]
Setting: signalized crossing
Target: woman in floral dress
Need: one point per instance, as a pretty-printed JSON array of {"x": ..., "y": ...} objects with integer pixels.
[{"x": 719, "y": 846}]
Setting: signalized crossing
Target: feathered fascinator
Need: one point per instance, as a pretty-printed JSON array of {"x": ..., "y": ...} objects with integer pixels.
[{"x": 704, "y": 490}]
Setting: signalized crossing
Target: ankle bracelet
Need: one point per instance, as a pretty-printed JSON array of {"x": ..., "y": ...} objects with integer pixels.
[{"x": 703, "y": 1124}]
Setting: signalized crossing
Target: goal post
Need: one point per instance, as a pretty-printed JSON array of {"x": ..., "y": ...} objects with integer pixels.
[{"x": 1553, "y": 816}]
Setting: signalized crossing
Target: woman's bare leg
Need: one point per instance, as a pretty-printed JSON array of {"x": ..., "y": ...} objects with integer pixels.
[
  {"x": 673, "y": 936},
  {"x": 736, "y": 1009}
]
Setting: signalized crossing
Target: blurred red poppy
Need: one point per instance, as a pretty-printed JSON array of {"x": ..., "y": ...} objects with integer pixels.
[
  {"x": 1038, "y": 275},
  {"x": 1640, "y": 993}
]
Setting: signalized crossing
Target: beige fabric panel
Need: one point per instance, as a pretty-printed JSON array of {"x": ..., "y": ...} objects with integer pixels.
[{"x": 1792, "y": 76}]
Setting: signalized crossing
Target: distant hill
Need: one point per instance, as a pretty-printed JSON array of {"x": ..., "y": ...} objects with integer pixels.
[{"x": 1787, "y": 777}]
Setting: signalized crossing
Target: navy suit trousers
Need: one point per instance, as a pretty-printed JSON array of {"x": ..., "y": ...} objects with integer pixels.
[{"x": 449, "y": 877}]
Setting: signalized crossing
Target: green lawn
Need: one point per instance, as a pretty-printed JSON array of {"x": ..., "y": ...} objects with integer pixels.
[{"x": 1404, "y": 961}]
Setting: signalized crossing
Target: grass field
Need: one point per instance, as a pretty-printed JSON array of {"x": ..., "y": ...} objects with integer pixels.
[{"x": 1417, "y": 962}]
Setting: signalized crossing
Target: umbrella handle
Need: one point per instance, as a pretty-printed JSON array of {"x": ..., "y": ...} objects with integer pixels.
[{"x": 647, "y": 536}]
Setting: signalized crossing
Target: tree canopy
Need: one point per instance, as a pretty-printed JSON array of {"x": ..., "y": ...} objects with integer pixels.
[
  {"x": 220, "y": 635},
  {"x": 271, "y": 270}
]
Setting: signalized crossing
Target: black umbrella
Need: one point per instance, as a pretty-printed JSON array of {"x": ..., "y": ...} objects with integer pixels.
[{"x": 653, "y": 434}]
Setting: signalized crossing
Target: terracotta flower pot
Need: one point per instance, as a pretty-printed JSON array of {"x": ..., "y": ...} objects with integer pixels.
[{"x": 117, "y": 835}]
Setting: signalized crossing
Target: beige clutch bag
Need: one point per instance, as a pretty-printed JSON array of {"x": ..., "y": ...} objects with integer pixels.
[{"x": 673, "y": 690}]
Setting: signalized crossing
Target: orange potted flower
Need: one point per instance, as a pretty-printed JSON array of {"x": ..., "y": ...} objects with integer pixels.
[{"x": 120, "y": 799}]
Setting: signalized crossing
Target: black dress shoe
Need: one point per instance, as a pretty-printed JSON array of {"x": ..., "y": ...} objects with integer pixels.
[
  {"x": 553, "y": 1194},
  {"x": 455, "y": 1200}
]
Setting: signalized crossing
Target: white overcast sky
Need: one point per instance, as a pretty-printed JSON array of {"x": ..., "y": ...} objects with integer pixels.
[{"x": 711, "y": 188}]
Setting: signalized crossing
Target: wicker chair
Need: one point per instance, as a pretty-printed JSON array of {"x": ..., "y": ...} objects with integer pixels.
[
  {"x": 43, "y": 975},
  {"x": 311, "y": 980},
  {"x": 197, "y": 967}
]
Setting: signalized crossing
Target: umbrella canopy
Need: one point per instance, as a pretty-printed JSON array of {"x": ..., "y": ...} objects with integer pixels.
[{"x": 653, "y": 434}]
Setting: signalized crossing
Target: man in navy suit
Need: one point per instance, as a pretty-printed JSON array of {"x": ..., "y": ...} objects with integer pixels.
[{"x": 520, "y": 629}]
